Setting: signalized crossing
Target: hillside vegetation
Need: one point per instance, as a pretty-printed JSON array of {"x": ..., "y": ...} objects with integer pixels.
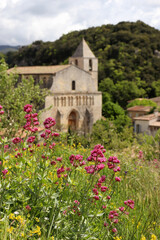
[{"x": 128, "y": 53}]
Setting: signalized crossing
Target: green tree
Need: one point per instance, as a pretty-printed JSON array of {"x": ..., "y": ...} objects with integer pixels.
[
  {"x": 142, "y": 102},
  {"x": 14, "y": 94}
]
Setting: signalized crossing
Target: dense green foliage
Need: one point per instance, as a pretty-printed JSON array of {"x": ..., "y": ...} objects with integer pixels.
[
  {"x": 142, "y": 102},
  {"x": 128, "y": 54},
  {"x": 48, "y": 193},
  {"x": 14, "y": 95}
]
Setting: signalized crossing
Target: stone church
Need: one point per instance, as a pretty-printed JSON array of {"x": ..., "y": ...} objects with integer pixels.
[{"x": 74, "y": 100}]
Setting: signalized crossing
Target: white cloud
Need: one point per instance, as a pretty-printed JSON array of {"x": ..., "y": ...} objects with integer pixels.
[{"x": 23, "y": 21}]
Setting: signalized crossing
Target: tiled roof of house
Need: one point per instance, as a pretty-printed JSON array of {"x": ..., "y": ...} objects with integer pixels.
[
  {"x": 139, "y": 109},
  {"x": 147, "y": 117},
  {"x": 155, "y": 124},
  {"x": 38, "y": 69},
  {"x": 155, "y": 99}
]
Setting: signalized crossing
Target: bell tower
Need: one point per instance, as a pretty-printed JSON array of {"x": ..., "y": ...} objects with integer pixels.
[{"x": 84, "y": 58}]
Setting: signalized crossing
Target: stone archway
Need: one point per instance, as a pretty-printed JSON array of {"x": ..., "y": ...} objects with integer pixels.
[{"x": 73, "y": 120}]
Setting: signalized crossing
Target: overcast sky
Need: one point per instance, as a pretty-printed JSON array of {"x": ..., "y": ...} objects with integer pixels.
[{"x": 25, "y": 21}]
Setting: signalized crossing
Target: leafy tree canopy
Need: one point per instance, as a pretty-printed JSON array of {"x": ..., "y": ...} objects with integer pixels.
[
  {"x": 14, "y": 95},
  {"x": 142, "y": 102},
  {"x": 128, "y": 54}
]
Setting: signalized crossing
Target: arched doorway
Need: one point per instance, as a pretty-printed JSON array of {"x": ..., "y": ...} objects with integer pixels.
[{"x": 73, "y": 121}]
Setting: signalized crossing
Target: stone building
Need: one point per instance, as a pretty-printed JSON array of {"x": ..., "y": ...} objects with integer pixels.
[
  {"x": 74, "y": 100},
  {"x": 148, "y": 124}
]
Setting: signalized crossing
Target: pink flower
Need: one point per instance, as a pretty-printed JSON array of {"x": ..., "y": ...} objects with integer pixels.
[
  {"x": 114, "y": 230},
  {"x": 129, "y": 203},
  {"x": 1, "y": 107},
  {"x": 77, "y": 160},
  {"x": 90, "y": 169},
  {"x": 121, "y": 209},
  {"x": 16, "y": 140},
  {"x": 68, "y": 169},
  {"x": 53, "y": 162},
  {"x": 60, "y": 170},
  {"x": 117, "y": 179},
  {"x": 56, "y": 134},
  {"x": 28, "y": 108},
  {"x": 28, "y": 207},
  {"x": 108, "y": 197},
  {"x": 31, "y": 139},
  {"x": 103, "y": 188},
  {"x": 59, "y": 159},
  {"x": 76, "y": 201},
  {"x": 49, "y": 122},
  {"x": 100, "y": 166},
  {"x": 96, "y": 197},
  {"x": 4, "y": 172},
  {"x": 1, "y": 112},
  {"x": 115, "y": 220},
  {"x": 105, "y": 224},
  {"x": 102, "y": 179},
  {"x": 95, "y": 191}
]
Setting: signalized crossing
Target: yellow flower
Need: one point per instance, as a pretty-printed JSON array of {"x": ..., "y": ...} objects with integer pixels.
[
  {"x": 11, "y": 216},
  {"x": 20, "y": 219},
  {"x": 153, "y": 237},
  {"x": 143, "y": 237},
  {"x": 10, "y": 230},
  {"x": 22, "y": 234},
  {"x": 37, "y": 219},
  {"x": 37, "y": 231},
  {"x": 138, "y": 224},
  {"x": 117, "y": 238}
]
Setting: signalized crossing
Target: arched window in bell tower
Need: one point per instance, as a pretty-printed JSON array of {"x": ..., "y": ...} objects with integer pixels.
[
  {"x": 76, "y": 62},
  {"x": 73, "y": 85},
  {"x": 90, "y": 64}
]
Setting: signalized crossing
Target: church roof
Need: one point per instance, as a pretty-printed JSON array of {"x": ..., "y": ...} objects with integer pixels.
[
  {"x": 83, "y": 50},
  {"x": 38, "y": 69}
]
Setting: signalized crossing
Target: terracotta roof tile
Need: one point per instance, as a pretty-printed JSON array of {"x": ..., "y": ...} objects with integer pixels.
[
  {"x": 139, "y": 109},
  {"x": 155, "y": 124},
  {"x": 38, "y": 69},
  {"x": 147, "y": 117}
]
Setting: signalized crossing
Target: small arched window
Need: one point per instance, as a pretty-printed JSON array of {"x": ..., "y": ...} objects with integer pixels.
[
  {"x": 76, "y": 62},
  {"x": 73, "y": 85},
  {"x": 90, "y": 64}
]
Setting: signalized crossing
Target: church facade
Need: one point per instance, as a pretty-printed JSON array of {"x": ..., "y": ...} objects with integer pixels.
[{"x": 74, "y": 100}]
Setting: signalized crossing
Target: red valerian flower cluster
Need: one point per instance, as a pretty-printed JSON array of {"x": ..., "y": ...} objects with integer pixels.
[
  {"x": 16, "y": 140},
  {"x": 1, "y": 111},
  {"x": 98, "y": 158},
  {"x": 4, "y": 172},
  {"x": 77, "y": 160},
  {"x": 99, "y": 186},
  {"x": 28, "y": 108},
  {"x": 112, "y": 161},
  {"x": 49, "y": 122},
  {"x": 97, "y": 154},
  {"x": 129, "y": 203},
  {"x": 28, "y": 208},
  {"x": 31, "y": 139},
  {"x": 31, "y": 122}
]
